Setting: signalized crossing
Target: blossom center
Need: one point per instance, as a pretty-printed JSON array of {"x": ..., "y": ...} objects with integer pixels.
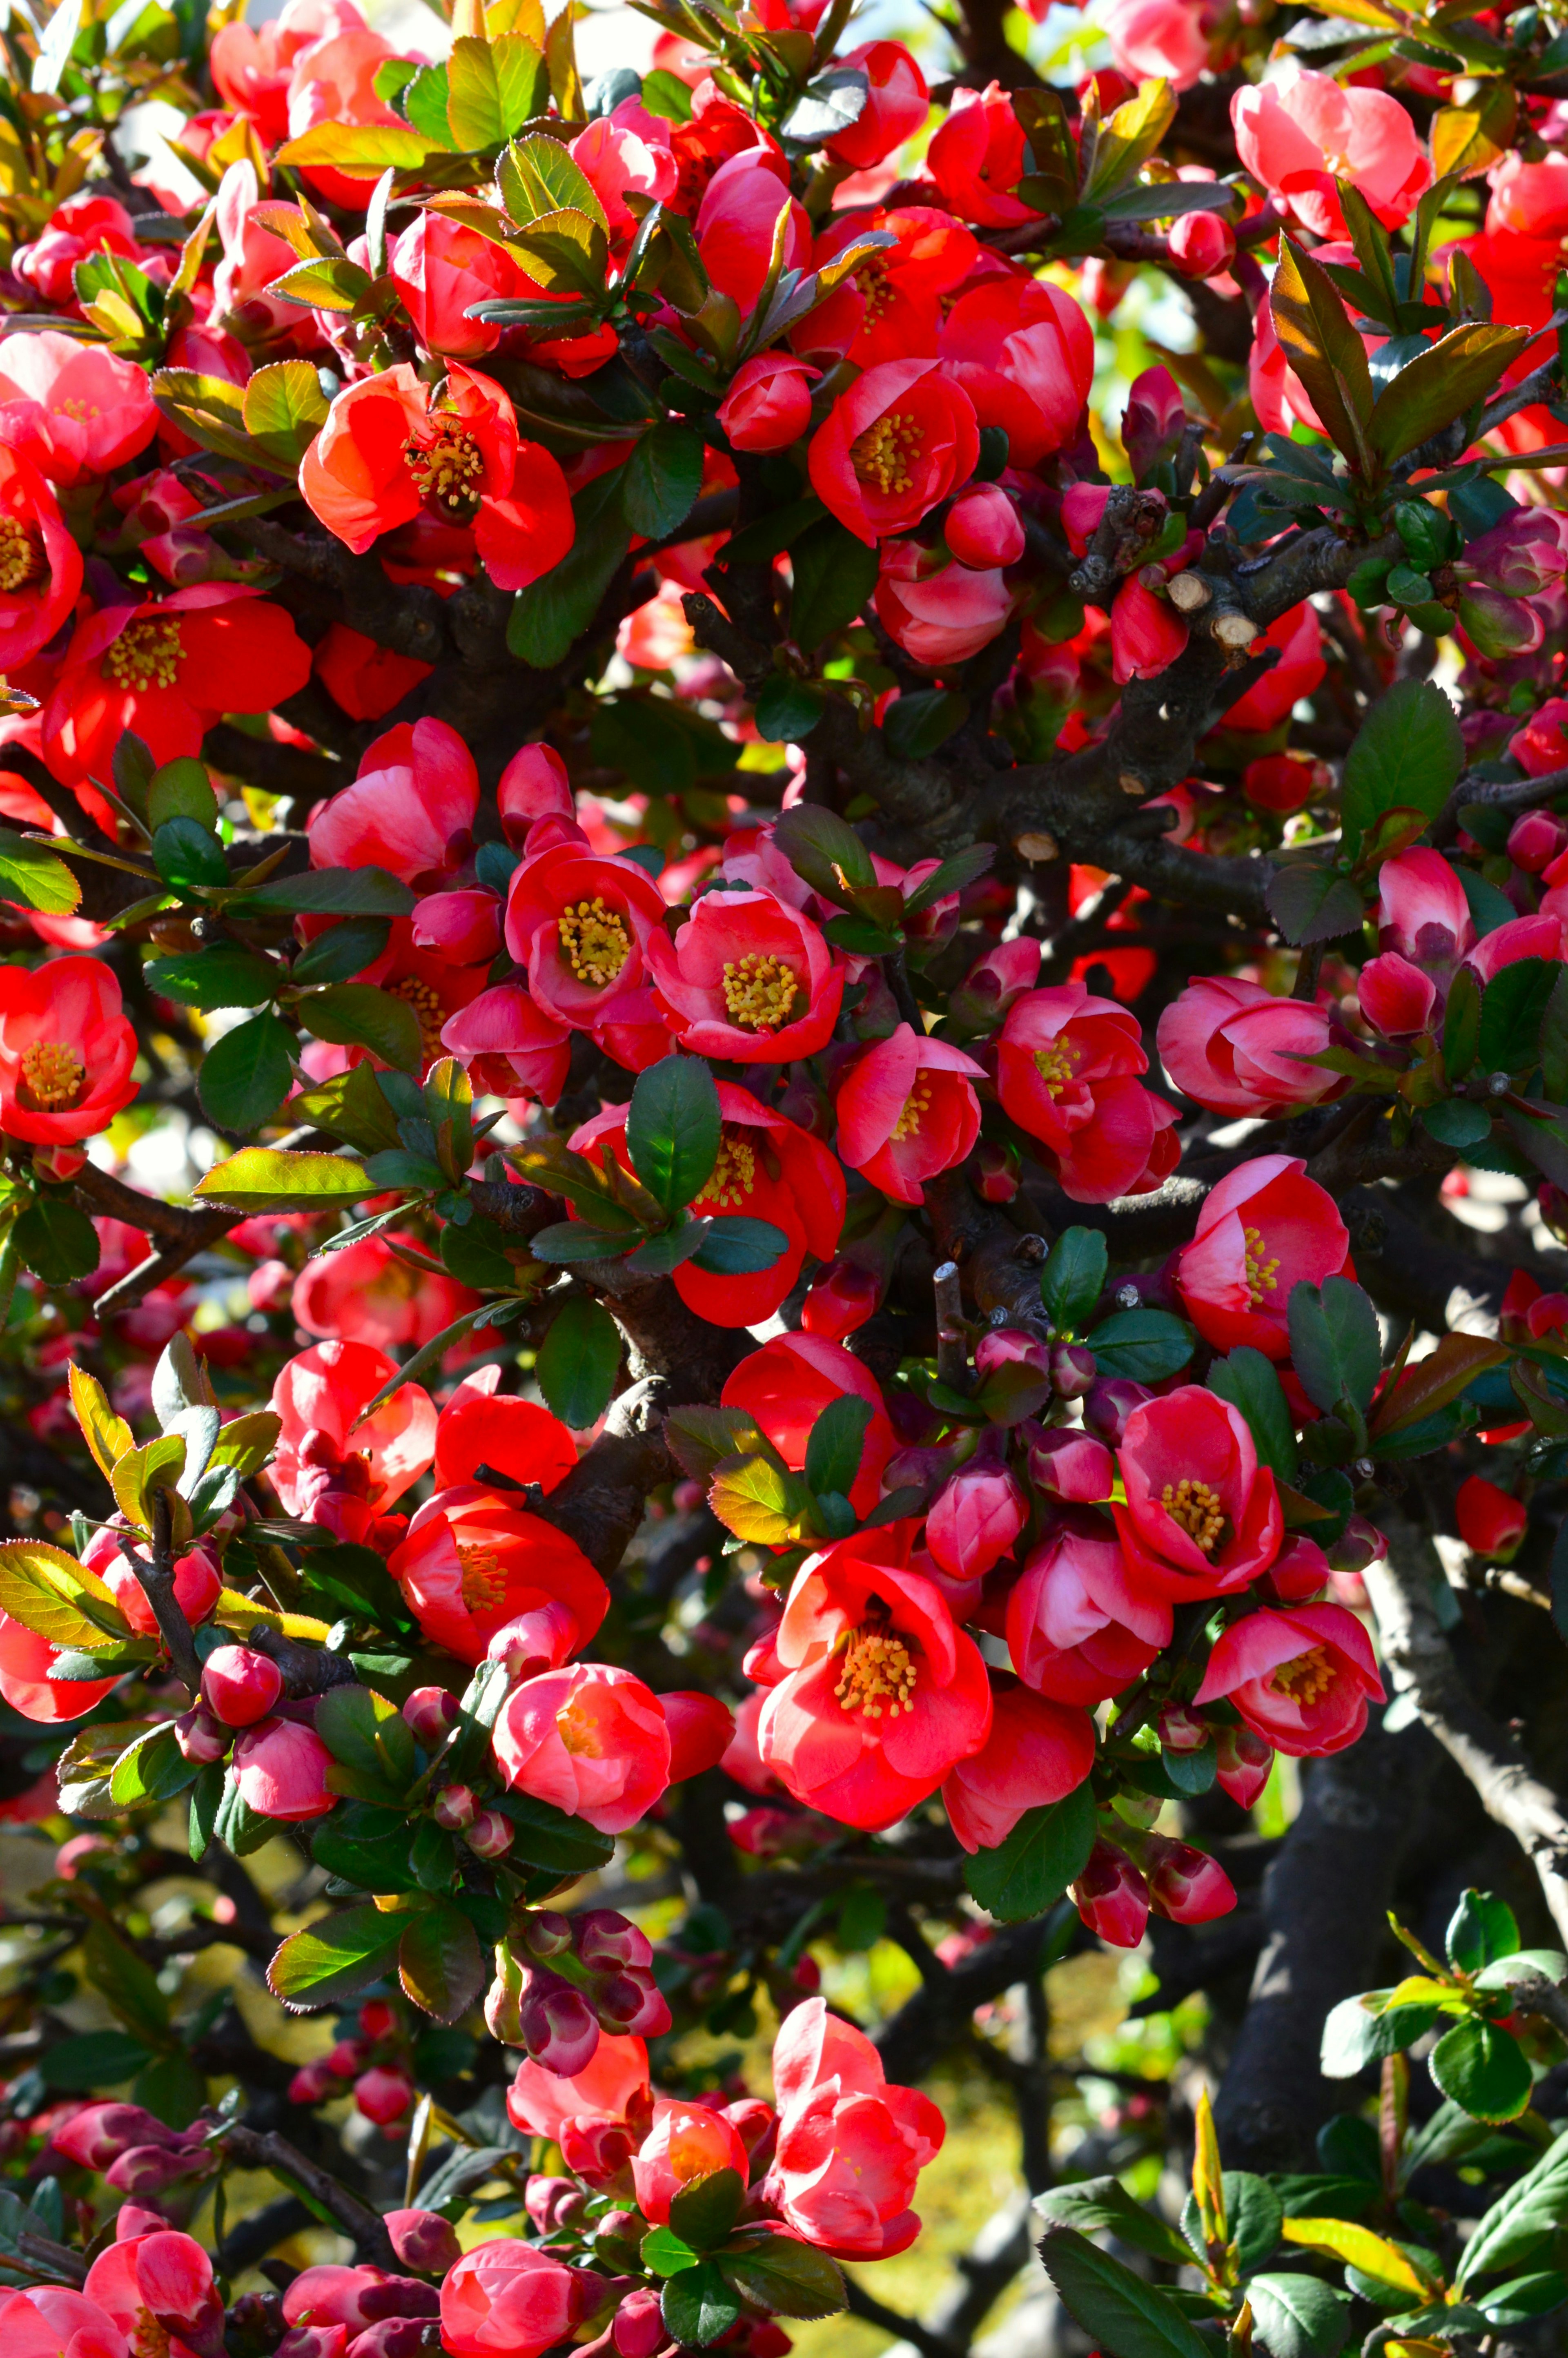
[
  {"x": 1197, "y": 1510},
  {"x": 871, "y": 278},
  {"x": 734, "y": 1173},
  {"x": 1056, "y": 1065},
  {"x": 1305, "y": 1678},
  {"x": 449, "y": 469},
  {"x": 52, "y": 1077},
  {"x": 147, "y": 653},
  {"x": 595, "y": 942},
  {"x": 21, "y": 557},
  {"x": 484, "y": 1577},
  {"x": 580, "y": 1732},
  {"x": 428, "y": 1007},
  {"x": 884, "y": 455},
  {"x": 915, "y": 1105},
  {"x": 1261, "y": 1277},
  {"x": 149, "y": 2338},
  {"x": 759, "y": 991},
  {"x": 878, "y": 1672}
]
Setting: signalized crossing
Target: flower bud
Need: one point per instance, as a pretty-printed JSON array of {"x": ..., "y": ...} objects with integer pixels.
[
  {"x": 1497, "y": 625},
  {"x": 312, "y": 2084},
  {"x": 632, "y": 2006},
  {"x": 1185, "y": 1885},
  {"x": 975, "y": 1519},
  {"x": 557, "y": 2024},
  {"x": 610, "y": 1942},
  {"x": 1553, "y": 1205},
  {"x": 383, "y": 2095},
  {"x": 1358, "y": 1544},
  {"x": 491, "y": 1836},
  {"x": 1201, "y": 245},
  {"x": 1244, "y": 1763},
  {"x": 983, "y": 527},
  {"x": 546, "y": 1932},
  {"x": 1108, "y": 1404},
  {"x": 424, "y": 2241},
  {"x": 552, "y": 2202},
  {"x": 1182, "y": 1730},
  {"x": 1072, "y": 1466},
  {"x": 538, "y": 1640},
  {"x": 999, "y": 1166},
  {"x": 200, "y": 1738},
  {"x": 465, "y": 926},
  {"x": 240, "y": 1686},
  {"x": 377, "y": 2019},
  {"x": 533, "y": 785},
  {"x": 842, "y": 1298},
  {"x": 432, "y": 1713},
  {"x": 1395, "y": 996},
  {"x": 349, "y": 2058},
  {"x": 768, "y": 407},
  {"x": 1071, "y": 1369},
  {"x": 1535, "y": 841},
  {"x": 639, "y": 2328},
  {"x": 1299, "y": 1570},
  {"x": 1112, "y": 1897},
  {"x": 1490, "y": 1522},
  {"x": 454, "y": 1807},
  {"x": 1285, "y": 782}
]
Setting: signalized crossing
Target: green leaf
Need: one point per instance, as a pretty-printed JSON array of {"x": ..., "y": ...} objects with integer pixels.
[
  {"x": 362, "y": 151},
  {"x": 549, "y": 615},
  {"x": 1456, "y": 1122},
  {"x": 1522, "y": 2223},
  {"x": 1354, "y": 2035},
  {"x": 35, "y": 877},
  {"x": 1047, "y": 1849},
  {"x": 824, "y": 851},
  {"x": 153, "y": 1769},
  {"x": 546, "y": 1837},
  {"x": 1525, "y": 2296},
  {"x": 128, "y": 1983},
  {"x": 1408, "y": 753},
  {"x": 1298, "y": 2316},
  {"x": 575, "y": 1241},
  {"x": 55, "y": 1597},
  {"x": 699, "y": 2306},
  {"x": 476, "y": 1255},
  {"x": 187, "y": 857},
  {"x": 755, "y": 1499},
  {"x": 366, "y": 1733},
  {"x": 665, "y": 2253},
  {"x": 661, "y": 479},
  {"x": 1481, "y": 1931},
  {"x": 1073, "y": 1278},
  {"x": 335, "y": 893},
  {"x": 206, "y": 1795},
  {"x": 173, "y": 2088},
  {"x": 226, "y": 975},
  {"x": 1462, "y": 1026},
  {"x": 343, "y": 951},
  {"x": 355, "y": 1579},
  {"x": 356, "y": 1014},
  {"x": 1336, "y": 1347},
  {"x": 328, "y": 283},
  {"x": 364, "y": 1844},
  {"x": 921, "y": 719},
  {"x": 1096, "y": 2203},
  {"x": 331, "y": 1960},
  {"x": 1251, "y": 1382},
  {"x": 93, "y": 2059},
  {"x": 1513, "y": 1005},
  {"x": 247, "y": 1073},
  {"x": 786, "y": 709},
  {"x": 706, "y": 2209},
  {"x": 835, "y": 574},
  {"x": 1441, "y": 383},
  {"x": 673, "y": 1129},
  {"x": 641, "y": 736},
  {"x": 736, "y": 1247},
  {"x": 55, "y": 1240},
  {"x": 1145, "y": 1345},
  {"x": 268, "y": 1179},
  {"x": 1481, "y": 2066},
  {"x": 440, "y": 1964},
  {"x": 1126, "y": 2317},
  {"x": 835, "y": 1444},
  {"x": 494, "y": 87},
  {"x": 284, "y": 409},
  {"x": 1311, "y": 902},
  {"x": 578, "y": 1362},
  {"x": 789, "y": 2278},
  {"x": 1254, "y": 2214},
  {"x": 537, "y": 175},
  {"x": 1325, "y": 350}
]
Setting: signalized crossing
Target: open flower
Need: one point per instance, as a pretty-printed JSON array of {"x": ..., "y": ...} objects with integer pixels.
[
  {"x": 582, "y": 926},
  {"x": 1301, "y": 1680},
  {"x": 685, "y": 2141},
  {"x": 1023, "y": 353},
  {"x": 74, "y": 409},
  {"x": 507, "y": 1045},
  {"x": 410, "y": 810},
  {"x": 1234, "y": 1047},
  {"x": 747, "y": 979},
  {"x": 1079, "y": 1629},
  {"x": 1299, "y": 132},
  {"x": 907, "y": 1112},
  {"x": 367, "y": 1294},
  {"x": 331, "y": 1468},
  {"x": 902, "y": 438},
  {"x": 158, "y": 2289},
  {"x": 1067, "y": 1072},
  {"x": 473, "y": 1560},
  {"x": 591, "y": 1740},
  {"x": 66, "y": 1051},
  {"x": 1202, "y": 1516},
  {"x": 850, "y": 2144},
  {"x": 40, "y": 564},
  {"x": 882, "y": 1693},
  {"x": 1265, "y": 1228}
]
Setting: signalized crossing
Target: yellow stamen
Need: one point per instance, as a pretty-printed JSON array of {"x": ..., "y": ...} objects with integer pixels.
[
  {"x": 734, "y": 1174},
  {"x": 1305, "y": 1677},
  {"x": 885, "y": 454},
  {"x": 1197, "y": 1510},
  {"x": 578, "y": 1732},
  {"x": 758, "y": 992},
  {"x": 449, "y": 468},
  {"x": 53, "y": 1077},
  {"x": 871, "y": 278},
  {"x": 428, "y": 1005},
  {"x": 877, "y": 1673},
  {"x": 484, "y": 1577},
  {"x": 594, "y": 942},
  {"x": 916, "y": 1103},
  {"x": 1261, "y": 1277},
  {"x": 1056, "y": 1065},
  {"x": 147, "y": 653},
  {"x": 21, "y": 555},
  {"x": 149, "y": 2338}
]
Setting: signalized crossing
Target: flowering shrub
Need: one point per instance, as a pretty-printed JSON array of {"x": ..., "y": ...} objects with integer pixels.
[{"x": 763, "y": 1000}]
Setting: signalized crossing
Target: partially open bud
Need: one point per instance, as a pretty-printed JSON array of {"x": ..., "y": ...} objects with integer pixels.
[
  {"x": 999, "y": 1166},
  {"x": 538, "y": 1640},
  {"x": 982, "y": 527},
  {"x": 1490, "y": 1522},
  {"x": 1244, "y": 1763},
  {"x": 1185, "y": 1885},
  {"x": 240, "y": 1686},
  {"x": 632, "y": 2006},
  {"x": 638, "y": 2329},
  {"x": 1071, "y": 1369},
  {"x": 552, "y": 2202},
  {"x": 454, "y": 1807},
  {"x": 1182, "y": 1730},
  {"x": 424, "y": 2241},
  {"x": 491, "y": 1836},
  {"x": 1201, "y": 245},
  {"x": 1358, "y": 1544},
  {"x": 557, "y": 2026},
  {"x": 842, "y": 1299},
  {"x": 1108, "y": 1404},
  {"x": 606, "y": 1941},
  {"x": 1112, "y": 1898},
  {"x": 432, "y": 1713},
  {"x": 546, "y": 1932},
  {"x": 1073, "y": 1466},
  {"x": 976, "y": 1517},
  {"x": 200, "y": 1738}
]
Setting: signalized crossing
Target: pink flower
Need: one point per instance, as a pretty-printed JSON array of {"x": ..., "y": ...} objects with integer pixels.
[
  {"x": 1112, "y": 1897},
  {"x": 1185, "y": 1885},
  {"x": 1490, "y": 1521},
  {"x": 975, "y": 1518},
  {"x": 1202, "y": 1516},
  {"x": 852, "y": 2144},
  {"x": 747, "y": 979},
  {"x": 893, "y": 447},
  {"x": 464, "y": 926},
  {"x": 895, "y": 108},
  {"x": 83, "y": 225},
  {"x": 1298, "y": 133},
  {"x": 618, "y": 160},
  {"x": 1036, "y": 1752},
  {"x": 591, "y": 1740},
  {"x": 440, "y": 268},
  {"x": 1235, "y": 1048},
  {"x": 73, "y": 409},
  {"x": 280, "y": 1769},
  {"x": 544, "y": 2103},
  {"x": 66, "y": 1051},
  {"x": 533, "y": 786},
  {"x": 982, "y": 527},
  {"x": 787, "y": 1383},
  {"x": 1162, "y": 38},
  {"x": 329, "y": 1467},
  {"x": 907, "y": 1112},
  {"x": 410, "y": 810},
  {"x": 196, "y": 1583},
  {"x": 509, "y": 2299},
  {"x": 977, "y": 158},
  {"x": 768, "y": 405},
  {"x": 240, "y": 1686},
  {"x": 1423, "y": 912},
  {"x": 159, "y": 2286},
  {"x": 1301, "y": 1680},
  {"x": 508, "y": 1046},
  {"x": 1265, "y": 1228},
  {"x": 1079, "y": 1629},
  {"x": 737, "y": 220},
  {"x": 1067, "y": 1068},
  {"x": 26, "y": 1659},
  {"x": 687, "y": 2141},
  {"x": 1146, "y": 633},
  {"x": 938, "y": 612},
  {"x": 582, "y": 927},
  {"x": 1395, "y": 996}
]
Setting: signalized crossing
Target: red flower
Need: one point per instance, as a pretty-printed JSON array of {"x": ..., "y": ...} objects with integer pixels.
[
  {"x": 158, "y": 2289},
  {"x": 473, "y": 1561},
  {"x": 1067, "y": 1064},
  {"x": 72, "y": 408},
  {"x": 362, "y": 679},
  {"x": 977, "y": 158},
  {"x": 975, "y": 1518},
  {"x": 83, "y": 225},
  {"x": 895, "y": 108},
  {"x": 900, "y": 439},
  {"x": 509, "y": 2299},
  {"x": 1146, "y": 634},
  {"x": 1186, "y": 1885},
  {"x": 197, "y": 1581},
  {"x": 907, "y": 1111},
  {"x": 768, "y": 1169},
  {"x": 687, "y": 2141},
  {"x": 785, "y": 1385},
  {"x": 1112, "y": 1897},
  {"x": 410, "y": 810},
  {"x": 1265, "y": 1228},
  {"x": 280, "y": 1770},
  {"x": 26, "y": 1659},
  {"x": 1301, "y": 1680},
  {"x": 1079, "y": 1629},
  {"x": 883, "y": 1694},
  {"x": 1489, "y": 1520},
  {"x": 440, "y": 268},
  {"x": 1023, "y": 353},
  {"x": 66, "y": 1051},
  {"x": 165, "y": 671},
  {"x": 1298, "y": 637},
  {"x": 591, "y": 1741},
  {"x": 890, "y": 308},
  {"x": 747, "y": 979},
  {"x": 436, "y": 989},
  {"x": 365, "y": 1295},
  {"x": 1202, "y": 1516},
  {"x": 390, "y": 450},
  {"x": 768, "y": 405},
  {"x": 737, "y": 221},
  {"x": 40, "y": 564},
  {"x": 1235, "y": 1048},
  {"x": 850, "y": 2144},
  {"x": 1036, "y": 1752},
  {"x": 1297, "y": 132},
  {"x": 544, "y": 2103},
  {"x": 464, "y": 926},
  {"x": 982, "y": 527},
  {"x": 937, "y": 611},
  {"x": 329, "y": 1468},
  {"x": 509, "y": 1048},
  {"x": 581, "y": 926}
]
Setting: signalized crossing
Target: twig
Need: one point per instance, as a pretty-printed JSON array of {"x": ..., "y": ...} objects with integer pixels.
[
  {"x": 1523, "y": 794},
  {"x": 952, "y": 1341},
  {"x": 357, "y": 2220},
  {"x": 905, "y": 2329},
  {"x": 155, "y": 1575}
]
